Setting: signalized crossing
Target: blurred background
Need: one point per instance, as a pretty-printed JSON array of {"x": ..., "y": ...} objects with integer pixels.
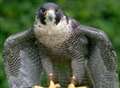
[{"x": 18, "y": 15}]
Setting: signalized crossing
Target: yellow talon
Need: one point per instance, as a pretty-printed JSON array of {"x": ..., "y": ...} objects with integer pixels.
[
  {"x": 53, "y": 85},
  {"x": 73, "y": 82},
  {"x": 82, "y": 87},
  {"x": 71, "y": 85},
  {"x": 37, "y": 86}
]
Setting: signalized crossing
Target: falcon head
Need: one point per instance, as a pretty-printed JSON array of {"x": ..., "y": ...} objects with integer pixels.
[
  {"x": 51, "y": 26},
  {"x": 49, "y": 13}
]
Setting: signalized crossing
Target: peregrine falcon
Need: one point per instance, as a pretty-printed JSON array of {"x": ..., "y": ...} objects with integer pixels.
[{"x": 60, "y": 48}]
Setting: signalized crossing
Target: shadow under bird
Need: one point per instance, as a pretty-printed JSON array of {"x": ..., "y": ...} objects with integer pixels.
[{"x": 67, "y": 52}]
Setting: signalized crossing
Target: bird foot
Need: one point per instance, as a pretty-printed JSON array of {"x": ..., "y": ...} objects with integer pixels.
[
  {"x": 73, "y": 82},
  {"x": 57, "y": 85},
  {"x": 71, "y": 85},
  {"x": 52, "y": 85},
  {"x": 36, "y": 86}
]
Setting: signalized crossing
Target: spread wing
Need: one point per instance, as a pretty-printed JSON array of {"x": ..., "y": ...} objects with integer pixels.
[
  {"x": 22, "y": 62},
  {"x": 101, "y": 58}
]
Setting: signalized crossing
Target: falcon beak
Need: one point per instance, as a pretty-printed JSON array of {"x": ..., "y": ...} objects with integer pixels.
[{"x": 50, "y": 15}]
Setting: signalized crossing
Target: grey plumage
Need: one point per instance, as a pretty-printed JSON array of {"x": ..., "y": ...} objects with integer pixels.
[
  {"x": 21, "y": 67},
  {"x": 86, "y": 53}
]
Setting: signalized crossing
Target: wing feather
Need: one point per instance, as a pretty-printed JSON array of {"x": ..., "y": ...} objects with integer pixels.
[
  {"x": 22, "y": 62},
  {"x": 102, "y": 58}
]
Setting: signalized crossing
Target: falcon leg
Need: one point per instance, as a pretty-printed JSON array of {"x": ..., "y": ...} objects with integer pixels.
[
  {"x": 72, "y": 83},
  {"x": 47, "y": 65},
  {"x": 78, "y": 61},
  {"x": 78, "y": 69}
]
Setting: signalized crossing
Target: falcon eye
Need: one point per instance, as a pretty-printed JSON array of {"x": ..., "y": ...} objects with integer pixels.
[
  {"x": 56, "y": 10},
  {"x": 43, "y": 10}
]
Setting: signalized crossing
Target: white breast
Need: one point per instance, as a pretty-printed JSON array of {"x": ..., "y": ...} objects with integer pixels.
[{"x": 52, "y": 35}]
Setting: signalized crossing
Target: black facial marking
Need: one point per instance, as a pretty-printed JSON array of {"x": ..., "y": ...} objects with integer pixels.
[
  {"x": 58, "y": 17},
  {"x": 67, "y": 19},
  {"x": 41, "y": 15}
]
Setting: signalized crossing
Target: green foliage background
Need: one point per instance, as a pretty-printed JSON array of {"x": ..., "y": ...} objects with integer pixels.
[{"x": 18, "y": 15}]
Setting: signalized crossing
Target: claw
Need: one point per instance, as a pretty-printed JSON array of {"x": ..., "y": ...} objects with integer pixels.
[
  {"x": 82, "y": 87},
  {"x": 71, "y": 85},
  {"x": 52, "y": 84},
  {"x": 37, "y": 86},
  {"x": 73, "y": 82}
]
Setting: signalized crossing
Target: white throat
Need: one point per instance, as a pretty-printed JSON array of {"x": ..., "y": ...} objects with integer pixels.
[{"x": 52, "y": 35}]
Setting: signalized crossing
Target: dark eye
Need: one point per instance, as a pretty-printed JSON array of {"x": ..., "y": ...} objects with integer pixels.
[
  {"x": 56, "y": 10},
  {"x": 43, "y": 10}
]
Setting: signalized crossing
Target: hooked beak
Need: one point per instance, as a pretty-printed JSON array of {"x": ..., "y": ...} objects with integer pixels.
[{"x": 50, "y": 15}]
